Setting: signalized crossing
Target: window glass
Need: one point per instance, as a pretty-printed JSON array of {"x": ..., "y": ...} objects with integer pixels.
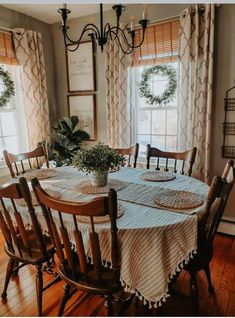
[
  {"x": 13, "y": 135},
  {"x": 156, "y": 125}
]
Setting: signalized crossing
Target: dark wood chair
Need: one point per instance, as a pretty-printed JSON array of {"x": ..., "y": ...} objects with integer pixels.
[
  {"x": 186, "y": 156},
  {"x": 131, "y": 151},
  {"x": 25, "y": 244},
  {"x": 18, "y": 161},
  {"x": 216, "y": 201},
  {"x": 78, "y": 269}
]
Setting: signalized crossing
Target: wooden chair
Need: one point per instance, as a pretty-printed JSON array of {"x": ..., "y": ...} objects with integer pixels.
[
  {"x": 78, "y": 269},
  {"x": 216, "y": 201},
  {"x": 131, "y": 151},
  {"x": 13, "y": 159},
  {"x": 188, "y": 156},
  {"x": 24, "y": 244}
]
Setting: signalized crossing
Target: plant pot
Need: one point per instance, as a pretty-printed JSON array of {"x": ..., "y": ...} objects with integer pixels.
[{"x": 99, "y": 178}]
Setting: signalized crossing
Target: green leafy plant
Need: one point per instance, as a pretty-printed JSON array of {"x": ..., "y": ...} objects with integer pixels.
[
  {"x": 67, "y": 139},
  {"x": 9, "y": 88},
  {"x": 98, "y": 158}
]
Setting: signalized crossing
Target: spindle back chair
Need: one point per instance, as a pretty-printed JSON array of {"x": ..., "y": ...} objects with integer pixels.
[
  {"x": 132, "y": 151},
  {"x": 77, "y": 267},
  {"x": 186, "y": 156},
  {"x": 25, "y": 242},
  {"x": 16, "y": 162},
  {"x": 216, "y": 202}
]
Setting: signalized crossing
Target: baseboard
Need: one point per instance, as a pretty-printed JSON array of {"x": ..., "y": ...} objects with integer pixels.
[{"x": 227, "y": 226}]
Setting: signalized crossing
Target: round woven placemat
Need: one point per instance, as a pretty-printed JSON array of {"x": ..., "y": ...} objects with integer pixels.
[
  {"x": 85, "y": 187},
  {"x": 101, "y": 219},
  {"x": 178, "y": 199},
  {"x": 41, "y": 174},
  {"x": 53, "y": 193},
  {"x": 157, "y": 176}
]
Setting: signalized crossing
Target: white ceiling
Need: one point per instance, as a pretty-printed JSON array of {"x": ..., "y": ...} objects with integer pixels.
[{"x": 48, "y": 12}]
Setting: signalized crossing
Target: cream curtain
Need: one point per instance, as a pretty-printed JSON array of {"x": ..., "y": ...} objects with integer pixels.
[
  {"x": 119, "y": 117},
  {"x": 29, "y": 52},
  {"x": 196, "y": 46}
]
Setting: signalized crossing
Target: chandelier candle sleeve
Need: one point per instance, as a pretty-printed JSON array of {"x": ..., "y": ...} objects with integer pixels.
[{"x": 105, "y": 32}]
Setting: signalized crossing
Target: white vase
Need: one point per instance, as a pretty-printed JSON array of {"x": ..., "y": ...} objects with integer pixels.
[{"x": 99, "y": 178}]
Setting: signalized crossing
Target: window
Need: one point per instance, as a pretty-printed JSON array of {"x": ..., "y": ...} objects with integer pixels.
[
  {"x": 155, "y": 125},
  {"x": 13, "y": 136},
  {"x": 12, "y": 128}
]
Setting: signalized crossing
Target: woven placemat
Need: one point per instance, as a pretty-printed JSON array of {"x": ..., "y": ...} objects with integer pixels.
[
  {"x": 41, "y": 174},
  {"x": 101, "y": 219},
  {"x": 178, "y": 199},
  {"x": 157, "y": 176},
  {"x": 53, "y": 193},
  {"x": 85, "y": 187}
]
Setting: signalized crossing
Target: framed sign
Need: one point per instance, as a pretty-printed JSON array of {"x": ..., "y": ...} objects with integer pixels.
[
  {"x": 81, "y": 68},
  {"x": 84, "y": 107}
]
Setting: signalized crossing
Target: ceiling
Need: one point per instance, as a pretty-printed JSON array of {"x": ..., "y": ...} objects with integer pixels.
[{"x": 48, "y": 12}]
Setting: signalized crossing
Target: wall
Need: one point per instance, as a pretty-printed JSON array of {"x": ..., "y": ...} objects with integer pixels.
[
  {"x": 224, "y": 77},
  {"x": 12, "y": 19}
]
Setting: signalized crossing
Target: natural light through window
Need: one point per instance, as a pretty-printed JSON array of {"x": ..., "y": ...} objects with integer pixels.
[
  {"x": 12, "y": 130},
  {"x": 155, "y": 125}
]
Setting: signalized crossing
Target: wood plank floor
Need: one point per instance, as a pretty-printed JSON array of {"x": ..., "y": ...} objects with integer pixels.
[{"x": 22, "y": 298}]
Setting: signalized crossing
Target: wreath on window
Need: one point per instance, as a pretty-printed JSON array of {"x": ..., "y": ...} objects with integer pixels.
[
  {"x": 8, "y": 87},
  {"x": 144, "y": 84}
]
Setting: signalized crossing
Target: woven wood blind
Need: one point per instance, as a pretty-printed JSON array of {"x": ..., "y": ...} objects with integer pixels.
[
  {"x": 160, "y": 44},
  {"x": 7, "y": 49}
]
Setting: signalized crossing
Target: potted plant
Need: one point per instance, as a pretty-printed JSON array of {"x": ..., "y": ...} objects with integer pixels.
[
  {"x": 67, "y": 138},
  {"x": 96, "y": 161}
]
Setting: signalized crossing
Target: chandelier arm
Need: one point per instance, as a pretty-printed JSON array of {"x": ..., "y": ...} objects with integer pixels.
[
  {"x": 86, "y": 28},
  {"x": 123, "y": 35},
  {"x": 121, "y": 47}
]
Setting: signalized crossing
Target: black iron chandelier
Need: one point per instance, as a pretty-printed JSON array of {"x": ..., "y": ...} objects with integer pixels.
[{"x": 106, "y": 32}]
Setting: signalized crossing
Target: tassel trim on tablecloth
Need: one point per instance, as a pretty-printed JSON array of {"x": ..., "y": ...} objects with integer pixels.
[{"x": 163, "y": 298}]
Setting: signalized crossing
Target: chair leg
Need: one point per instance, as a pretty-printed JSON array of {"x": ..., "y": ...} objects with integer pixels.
[
  {"x": 208, "y": 276},
  {"x": 39, "y": 288},
  {"x": 194, "y": 291},
  {"x": 64, "y": 300},
  {"x": 16, "y": 270},
  {"x": 9, "y": 271},
  {"x": 108, "y": 305}
]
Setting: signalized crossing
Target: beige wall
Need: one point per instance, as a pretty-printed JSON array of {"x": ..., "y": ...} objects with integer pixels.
[
  {"x": 224, "y": 77},
  {"x": 12, "y": 19}
]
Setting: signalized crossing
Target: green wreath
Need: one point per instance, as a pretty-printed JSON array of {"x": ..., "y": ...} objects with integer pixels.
[
  {"x": 9, "y": 89},
  {"x": 168, "y": 94}
]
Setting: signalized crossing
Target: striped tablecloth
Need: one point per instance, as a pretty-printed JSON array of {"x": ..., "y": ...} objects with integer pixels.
[{"x": 154, "y": 243}]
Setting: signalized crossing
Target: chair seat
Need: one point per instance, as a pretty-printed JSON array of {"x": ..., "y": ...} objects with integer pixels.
[
  {"x": 104, "y": 284},
  {"x": 36, "y": 256}
]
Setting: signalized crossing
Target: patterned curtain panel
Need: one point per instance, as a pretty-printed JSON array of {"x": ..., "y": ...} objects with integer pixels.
[
  {"x": 195, "y": 85},
  {"x": 29, "y": 52},
  {"x": 119, "y": 125}
]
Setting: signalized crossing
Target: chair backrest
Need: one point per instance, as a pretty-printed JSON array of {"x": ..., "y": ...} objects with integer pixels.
[
  {"x": 216, "y": 201},
  {"x": 15, "y": 159},
  {"x": 57, "y": 212},
  {"x": 131, "y": 151},
  {"x": 186, "y": 156},
  {"x": 22, "y": 237}
]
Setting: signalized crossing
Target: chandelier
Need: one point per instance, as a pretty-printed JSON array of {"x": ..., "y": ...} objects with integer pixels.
[{"x": 105, "y": 33}]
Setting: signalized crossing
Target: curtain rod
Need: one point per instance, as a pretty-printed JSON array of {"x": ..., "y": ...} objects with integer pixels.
[{"x": 9, "y": 31}]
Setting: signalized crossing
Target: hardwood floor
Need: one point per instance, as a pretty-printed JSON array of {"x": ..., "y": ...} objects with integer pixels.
[{"x": 22, "y": 298}]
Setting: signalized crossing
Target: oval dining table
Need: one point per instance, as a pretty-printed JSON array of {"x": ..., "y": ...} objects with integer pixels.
[{"x": 154, "y": 242}]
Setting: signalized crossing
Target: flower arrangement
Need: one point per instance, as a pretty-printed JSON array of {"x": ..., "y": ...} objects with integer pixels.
[{"x": 99, "y": 158}]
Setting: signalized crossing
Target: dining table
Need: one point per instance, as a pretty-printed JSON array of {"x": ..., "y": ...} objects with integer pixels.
[{"x": 154, "y": 241}]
